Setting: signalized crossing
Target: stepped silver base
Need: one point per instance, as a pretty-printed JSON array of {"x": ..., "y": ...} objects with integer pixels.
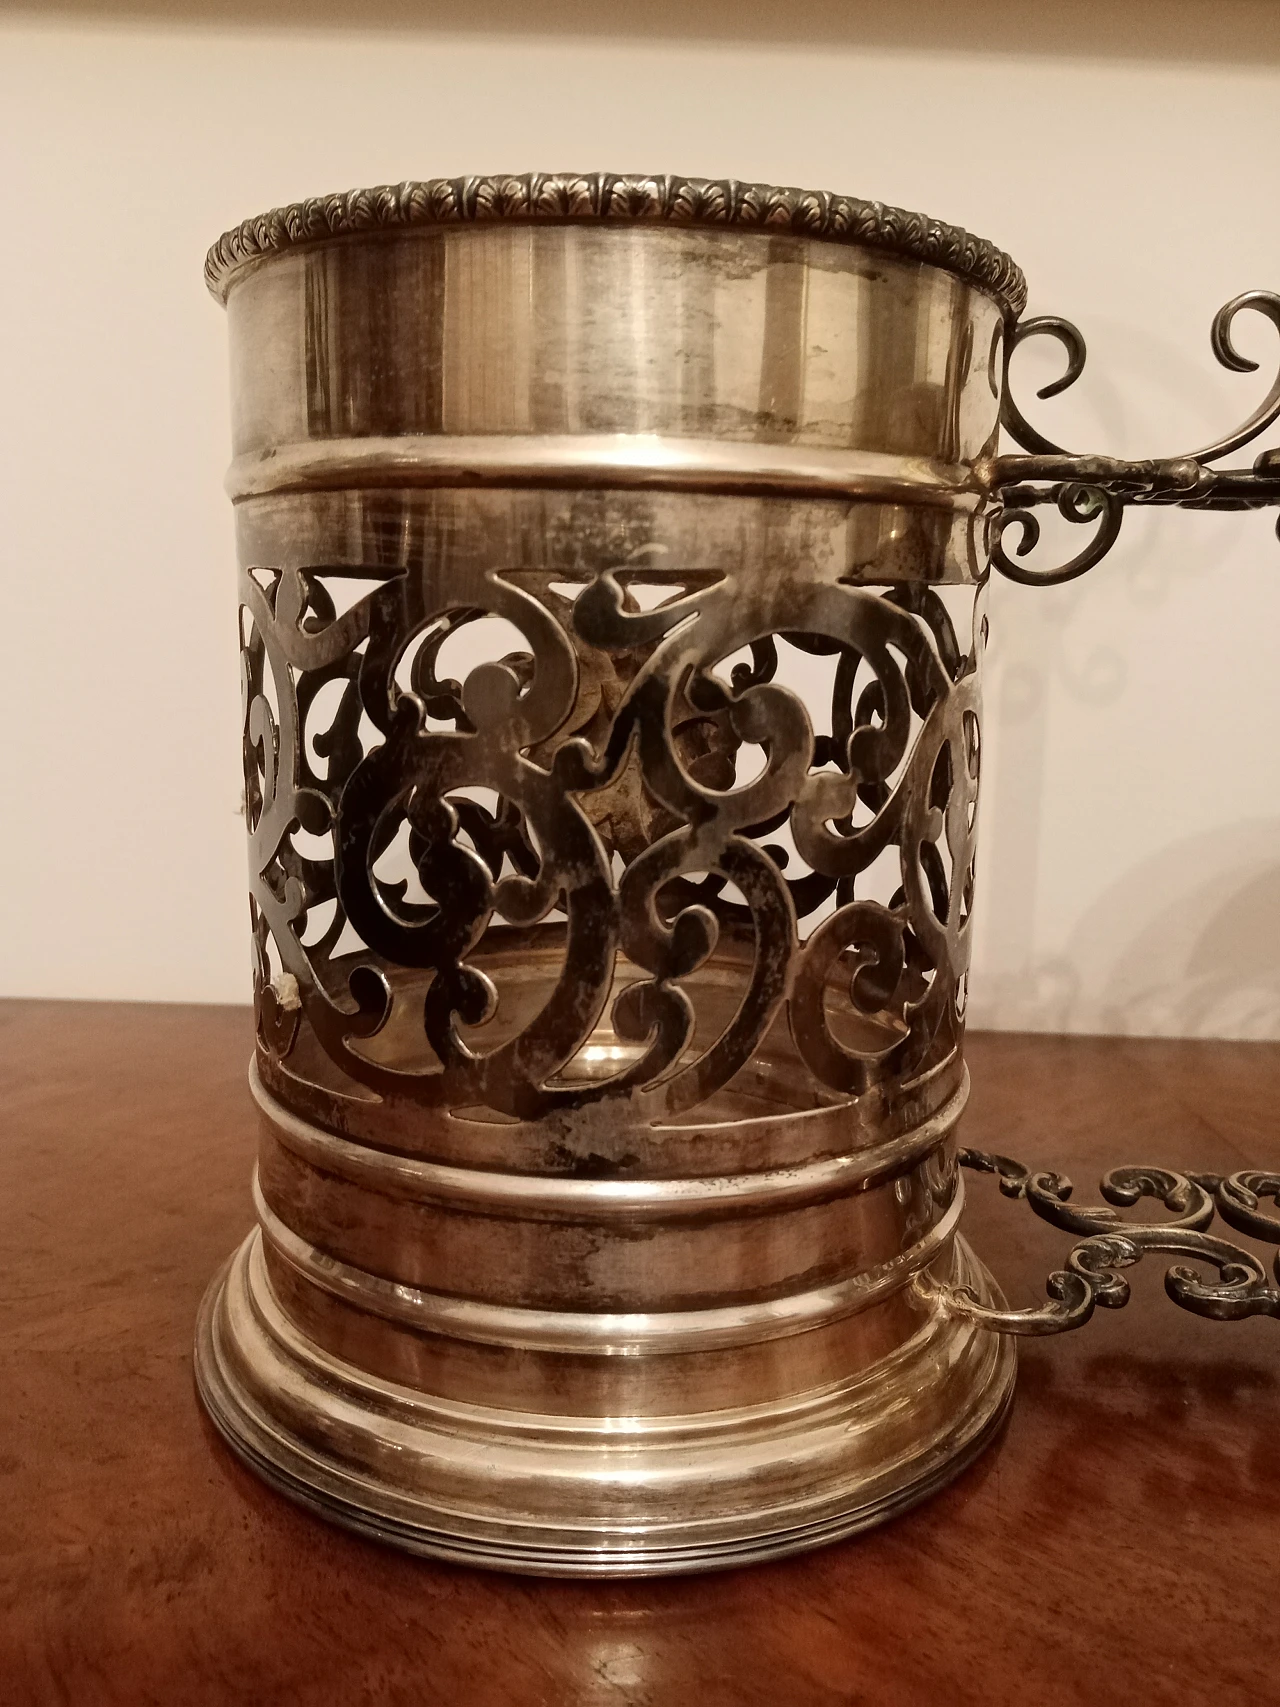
[{"x": 594, "y": 1496}]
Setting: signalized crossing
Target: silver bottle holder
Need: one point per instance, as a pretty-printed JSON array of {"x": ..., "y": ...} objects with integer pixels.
[{"x": 610, "y": 991}]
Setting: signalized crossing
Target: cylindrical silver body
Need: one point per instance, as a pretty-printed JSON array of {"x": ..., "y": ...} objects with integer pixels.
[{"x": 609, "y": 955}]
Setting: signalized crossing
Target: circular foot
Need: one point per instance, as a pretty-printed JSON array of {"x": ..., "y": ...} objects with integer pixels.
[{"x": 594, "y": 1496}]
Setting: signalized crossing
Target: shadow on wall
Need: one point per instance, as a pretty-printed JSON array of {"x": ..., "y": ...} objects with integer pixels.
[
  {"x": 1206, "y": 960},
  {"x": 1041, "y": 652},
  {"x": 1187, "y": 944},
  {"x": 1163, "y": 951}
]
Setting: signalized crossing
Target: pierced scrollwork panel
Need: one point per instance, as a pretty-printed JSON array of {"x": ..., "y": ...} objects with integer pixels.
[
  {"x": 631, "y": 786},
  {"x": 1110, "y": 1243}
]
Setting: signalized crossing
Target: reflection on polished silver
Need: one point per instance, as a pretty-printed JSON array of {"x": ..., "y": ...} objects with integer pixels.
[
  {"x": 613, "y": 556},
  {"x": 569, "y": 197},
  {"x": 1111, "y": 1243}
]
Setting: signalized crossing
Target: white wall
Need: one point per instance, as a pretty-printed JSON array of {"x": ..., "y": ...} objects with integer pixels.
[{"x": 1131, "y": 868}]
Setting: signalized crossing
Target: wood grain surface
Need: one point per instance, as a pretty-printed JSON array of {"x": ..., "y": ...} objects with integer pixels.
[{"x": 1121, "y": 1542}]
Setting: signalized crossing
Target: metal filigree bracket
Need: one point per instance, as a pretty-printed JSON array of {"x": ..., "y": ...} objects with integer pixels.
[
  {"x": 1096, "y": 489},
  {"x": 1091, "y": 1276}
]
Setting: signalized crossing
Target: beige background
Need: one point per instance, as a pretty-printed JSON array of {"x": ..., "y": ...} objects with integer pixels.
[{"x": 1131, "y": 834}]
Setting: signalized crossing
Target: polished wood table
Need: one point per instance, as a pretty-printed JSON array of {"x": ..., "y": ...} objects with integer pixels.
[{"x": 1120, "y": 1542}]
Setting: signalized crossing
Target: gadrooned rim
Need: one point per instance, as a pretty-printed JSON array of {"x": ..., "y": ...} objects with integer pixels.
[{"x": 596, "y": 197}]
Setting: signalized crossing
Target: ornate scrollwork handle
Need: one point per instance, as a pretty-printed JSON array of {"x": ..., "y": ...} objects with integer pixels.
[
  {"x": 1092, "y": 1274},
  {"x": 1096, "y": 489}
]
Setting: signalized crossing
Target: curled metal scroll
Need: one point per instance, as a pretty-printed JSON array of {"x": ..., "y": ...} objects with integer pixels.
[
  {"x": 605, "y": 751},
  {"x": 1096, "y": 489},
  {"x": 1110, "y": 1243}
]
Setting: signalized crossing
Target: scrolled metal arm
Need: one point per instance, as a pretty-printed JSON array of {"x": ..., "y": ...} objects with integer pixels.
[
  {"x": 1097, "y": 489},
  {"x": 1092, "y": 1275}
]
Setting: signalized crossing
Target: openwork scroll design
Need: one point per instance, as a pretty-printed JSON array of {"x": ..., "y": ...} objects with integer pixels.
[
  {"x": 1109, "y": 1243},
  {"x": 1096, "y": 489},
  {"x": 589, "y": 784}
]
